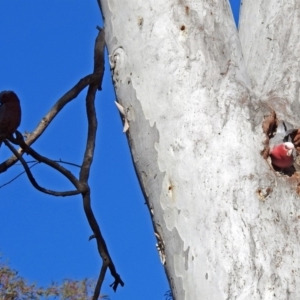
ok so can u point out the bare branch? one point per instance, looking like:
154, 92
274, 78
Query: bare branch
65, 99
99, 282
94, 82
16, 177
58, 161
20, 141
90, 106
34, 163
86, 165
67, 163
32, 179
59, 105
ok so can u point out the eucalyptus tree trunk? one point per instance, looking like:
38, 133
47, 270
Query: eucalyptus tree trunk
227, 223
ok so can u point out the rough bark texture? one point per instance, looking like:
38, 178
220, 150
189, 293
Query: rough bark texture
271, 48
227, 223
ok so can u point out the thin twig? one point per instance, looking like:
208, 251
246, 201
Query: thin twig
32, 179
34, 162
67, 163
20, 141
16, 177
58, 161
27, 162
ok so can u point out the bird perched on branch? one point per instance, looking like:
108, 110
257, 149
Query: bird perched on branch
282, 145
10, 114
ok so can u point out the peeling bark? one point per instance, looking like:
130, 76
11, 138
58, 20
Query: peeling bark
227, 223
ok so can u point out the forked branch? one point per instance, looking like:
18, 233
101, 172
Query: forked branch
57, 107
81, 185
32, 179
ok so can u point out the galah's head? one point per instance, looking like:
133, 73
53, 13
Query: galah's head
288, 147
282, 155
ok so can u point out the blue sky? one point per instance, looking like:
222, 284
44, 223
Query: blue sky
46, 47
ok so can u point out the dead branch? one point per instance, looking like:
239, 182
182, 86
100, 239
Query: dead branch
94, 81
34, 163
86, 165
58, 106
32, 179
20, 141
16, 177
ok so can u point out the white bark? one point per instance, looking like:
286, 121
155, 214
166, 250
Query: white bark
269, 32
228, 223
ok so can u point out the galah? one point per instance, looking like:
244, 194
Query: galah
282, 149
10, 114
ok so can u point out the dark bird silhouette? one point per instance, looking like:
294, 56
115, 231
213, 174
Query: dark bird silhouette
10, 114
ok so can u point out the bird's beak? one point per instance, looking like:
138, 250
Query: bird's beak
289, 152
